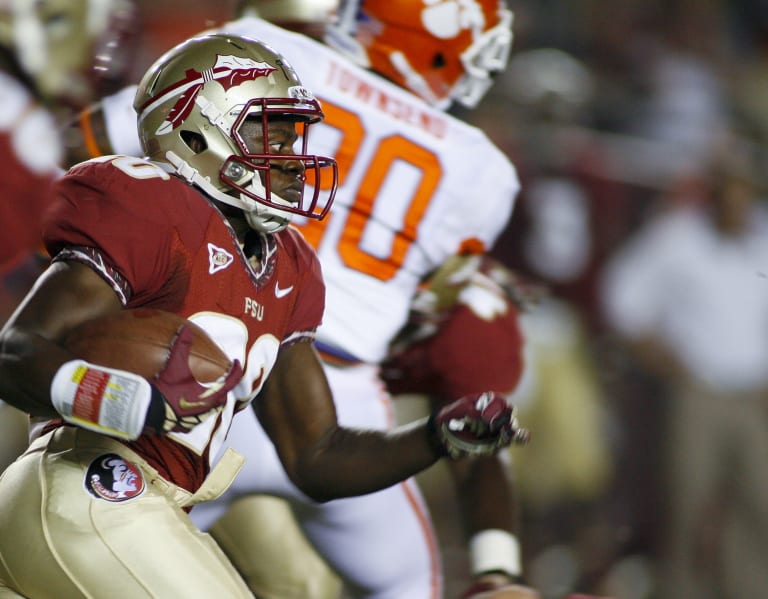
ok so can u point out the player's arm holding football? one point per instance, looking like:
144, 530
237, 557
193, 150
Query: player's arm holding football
38, 373
31, 350
322, 458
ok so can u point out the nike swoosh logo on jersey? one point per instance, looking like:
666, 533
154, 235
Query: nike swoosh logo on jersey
282, 292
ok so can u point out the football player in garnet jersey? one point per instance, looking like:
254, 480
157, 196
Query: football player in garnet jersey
416, 186
198, 229
49, 51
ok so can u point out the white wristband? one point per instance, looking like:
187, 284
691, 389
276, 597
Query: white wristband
105, 400
495, 550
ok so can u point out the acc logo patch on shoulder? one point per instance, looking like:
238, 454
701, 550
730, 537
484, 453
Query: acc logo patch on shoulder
112, 478
218, 259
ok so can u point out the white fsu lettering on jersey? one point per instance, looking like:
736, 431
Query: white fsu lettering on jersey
253, 309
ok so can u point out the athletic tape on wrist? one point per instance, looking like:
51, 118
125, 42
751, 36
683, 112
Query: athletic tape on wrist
105, 400
495, 550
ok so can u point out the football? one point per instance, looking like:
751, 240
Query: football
139, 341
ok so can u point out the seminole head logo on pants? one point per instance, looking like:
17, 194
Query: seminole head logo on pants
112, 478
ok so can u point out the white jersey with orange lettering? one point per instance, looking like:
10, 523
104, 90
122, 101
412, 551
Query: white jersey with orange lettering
416, 186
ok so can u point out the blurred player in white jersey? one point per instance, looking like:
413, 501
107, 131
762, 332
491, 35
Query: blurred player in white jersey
416, 186
56, 56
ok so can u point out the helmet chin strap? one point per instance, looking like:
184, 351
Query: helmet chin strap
260, 217
265, 219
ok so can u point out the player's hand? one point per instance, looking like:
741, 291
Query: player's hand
476, 425
185, 402
495, 586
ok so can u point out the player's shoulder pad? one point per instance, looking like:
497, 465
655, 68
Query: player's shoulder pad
135, 184
295, 245
120, 172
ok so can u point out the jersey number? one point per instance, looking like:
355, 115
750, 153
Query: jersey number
390, 151
138, 168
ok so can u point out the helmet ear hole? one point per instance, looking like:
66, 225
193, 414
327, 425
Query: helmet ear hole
194, 141
438, 61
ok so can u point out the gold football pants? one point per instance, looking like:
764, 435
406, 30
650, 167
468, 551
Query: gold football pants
60, 540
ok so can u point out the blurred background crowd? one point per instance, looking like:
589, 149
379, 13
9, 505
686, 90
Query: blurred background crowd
639, 130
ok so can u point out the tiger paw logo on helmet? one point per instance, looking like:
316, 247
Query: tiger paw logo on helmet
445, 19
441, 50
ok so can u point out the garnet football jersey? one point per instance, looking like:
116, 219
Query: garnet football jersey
161, 244
466, 355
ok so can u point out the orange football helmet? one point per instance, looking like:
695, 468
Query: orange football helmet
442, 50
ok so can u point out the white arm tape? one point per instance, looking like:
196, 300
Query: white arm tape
495, 550
105, 400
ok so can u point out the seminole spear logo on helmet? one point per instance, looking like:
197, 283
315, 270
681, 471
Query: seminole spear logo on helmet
228, 71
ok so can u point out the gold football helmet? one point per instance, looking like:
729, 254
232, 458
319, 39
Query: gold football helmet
309, 17
205, 89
